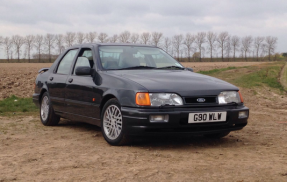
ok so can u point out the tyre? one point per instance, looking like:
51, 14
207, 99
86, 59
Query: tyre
217, 135
112, 123
47, 114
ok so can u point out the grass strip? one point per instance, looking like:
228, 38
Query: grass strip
16, 104
211, 72
254, 75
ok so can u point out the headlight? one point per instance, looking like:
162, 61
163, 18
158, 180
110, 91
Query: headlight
229, 97
165, 99
158, 99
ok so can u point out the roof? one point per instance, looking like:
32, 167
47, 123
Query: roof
112, 44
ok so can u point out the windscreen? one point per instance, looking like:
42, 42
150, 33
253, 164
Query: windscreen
129, 57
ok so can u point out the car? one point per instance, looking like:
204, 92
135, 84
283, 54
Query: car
133, 89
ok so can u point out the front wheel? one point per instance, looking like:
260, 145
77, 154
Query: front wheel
113, 128
47, 114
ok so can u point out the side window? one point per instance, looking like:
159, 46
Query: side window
66, 62
85, 58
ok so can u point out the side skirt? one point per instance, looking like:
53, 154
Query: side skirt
80, 118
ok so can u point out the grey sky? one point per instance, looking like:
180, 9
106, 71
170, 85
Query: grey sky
238, 17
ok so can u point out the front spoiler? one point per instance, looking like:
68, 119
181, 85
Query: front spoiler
137, 121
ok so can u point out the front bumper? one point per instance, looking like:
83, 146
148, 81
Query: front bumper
137, 120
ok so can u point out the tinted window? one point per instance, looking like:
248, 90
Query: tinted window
66, 62
85, 58
82, 61
119, 57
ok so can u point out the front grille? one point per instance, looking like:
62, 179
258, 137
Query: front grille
194, 100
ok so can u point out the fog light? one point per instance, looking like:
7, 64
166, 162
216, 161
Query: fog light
242, 114
158, 118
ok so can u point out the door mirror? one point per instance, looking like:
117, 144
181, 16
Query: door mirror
189, 69
83, 70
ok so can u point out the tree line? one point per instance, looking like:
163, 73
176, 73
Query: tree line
202, 44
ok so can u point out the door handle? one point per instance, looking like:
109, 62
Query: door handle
51, 78
70, 80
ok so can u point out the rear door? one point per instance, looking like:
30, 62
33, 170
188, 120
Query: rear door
82, 94
57, 81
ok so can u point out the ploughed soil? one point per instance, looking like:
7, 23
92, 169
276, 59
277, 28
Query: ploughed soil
76, 151
19, 78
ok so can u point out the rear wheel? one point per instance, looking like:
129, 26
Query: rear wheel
217, 135
113, 128
47, 114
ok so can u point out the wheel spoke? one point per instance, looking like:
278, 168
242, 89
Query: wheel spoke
45, 108
112, 122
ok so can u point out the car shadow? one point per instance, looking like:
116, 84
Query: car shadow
78, 125
165, 140
183, 140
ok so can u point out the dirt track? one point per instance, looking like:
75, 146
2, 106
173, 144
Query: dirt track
78, 152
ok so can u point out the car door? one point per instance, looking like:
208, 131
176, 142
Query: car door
82, 94
57, 81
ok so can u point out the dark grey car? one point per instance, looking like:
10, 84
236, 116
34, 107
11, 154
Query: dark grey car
129, 89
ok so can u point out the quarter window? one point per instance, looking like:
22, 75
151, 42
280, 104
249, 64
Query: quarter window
85, 58
66, 63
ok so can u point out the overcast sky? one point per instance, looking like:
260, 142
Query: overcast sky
238, 17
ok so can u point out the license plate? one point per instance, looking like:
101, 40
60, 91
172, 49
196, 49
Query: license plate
206, 117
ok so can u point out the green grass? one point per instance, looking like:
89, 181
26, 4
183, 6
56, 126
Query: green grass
252, 76
265, 76
15, 104
211, 72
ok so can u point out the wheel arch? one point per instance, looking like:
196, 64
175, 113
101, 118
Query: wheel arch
105, 99
43, 90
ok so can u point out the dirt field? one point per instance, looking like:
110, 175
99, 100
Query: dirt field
77, 152
19, 78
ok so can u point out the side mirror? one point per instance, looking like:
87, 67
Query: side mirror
189, 69
83, 70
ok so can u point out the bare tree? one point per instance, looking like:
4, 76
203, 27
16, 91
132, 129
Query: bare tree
211, 40
145, 37
7, 46
156, 38
246, 44
29, 42
91, 36
228, 48
39, 41
199, 40
188, 41
135, 37
18, 42
80, 37
103, 37
271, 45
235, 42
49, 41
1, 40
124, 37
221, 39
167, 44
70, 38
59, 42
176, 42
264, 50
11, 54
257, 45
114, 38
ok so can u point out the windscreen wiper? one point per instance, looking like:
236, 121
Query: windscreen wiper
137, 67
171, 67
